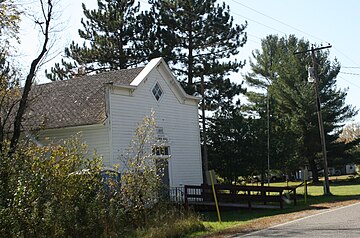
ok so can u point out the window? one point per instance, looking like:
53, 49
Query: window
157, 91
162, 148
161, 151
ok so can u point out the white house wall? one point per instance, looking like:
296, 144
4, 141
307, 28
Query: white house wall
179, 121
95, 136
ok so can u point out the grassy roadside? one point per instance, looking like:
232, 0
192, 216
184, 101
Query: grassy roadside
342, 189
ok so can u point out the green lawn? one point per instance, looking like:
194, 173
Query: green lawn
339, 186
342, 188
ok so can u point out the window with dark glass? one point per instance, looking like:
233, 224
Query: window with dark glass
157, 91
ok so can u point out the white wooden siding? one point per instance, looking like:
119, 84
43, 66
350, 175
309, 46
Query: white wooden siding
95, 136
179, 120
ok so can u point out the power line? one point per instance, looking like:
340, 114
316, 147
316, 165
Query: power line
292, 27
348, 81
281, 22
341, 72
272, 28
277, 30
349, 73
274, 19
350, 67
355, 63
257, 37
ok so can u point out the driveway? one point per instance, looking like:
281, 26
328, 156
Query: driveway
339, 222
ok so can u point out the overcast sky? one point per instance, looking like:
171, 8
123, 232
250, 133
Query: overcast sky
321, 22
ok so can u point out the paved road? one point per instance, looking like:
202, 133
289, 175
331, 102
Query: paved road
339, 222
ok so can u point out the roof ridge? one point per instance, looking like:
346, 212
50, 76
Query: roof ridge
74, 102
88, 76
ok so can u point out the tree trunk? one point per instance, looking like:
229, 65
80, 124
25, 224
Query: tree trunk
190, 62
314, 170
30, 77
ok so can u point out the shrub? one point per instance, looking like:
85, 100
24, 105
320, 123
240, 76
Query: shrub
56, 191
53, 191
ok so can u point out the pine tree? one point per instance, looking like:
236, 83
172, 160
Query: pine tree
111, 36
204, 42
284, 76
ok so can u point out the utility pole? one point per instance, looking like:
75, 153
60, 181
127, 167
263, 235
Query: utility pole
319, 114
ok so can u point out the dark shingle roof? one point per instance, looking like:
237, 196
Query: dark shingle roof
74, 102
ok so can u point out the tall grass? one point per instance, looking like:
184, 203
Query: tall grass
171, 222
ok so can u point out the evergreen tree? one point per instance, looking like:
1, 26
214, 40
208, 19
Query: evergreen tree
237, 146
197, 38
204, 41
111, 36
284, 76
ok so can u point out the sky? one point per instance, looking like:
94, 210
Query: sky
320, 22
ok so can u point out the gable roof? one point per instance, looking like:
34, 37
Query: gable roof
81, 101
74, 102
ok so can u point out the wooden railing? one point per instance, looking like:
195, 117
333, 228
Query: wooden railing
233, 195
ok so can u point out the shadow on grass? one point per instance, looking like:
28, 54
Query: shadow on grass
245, 214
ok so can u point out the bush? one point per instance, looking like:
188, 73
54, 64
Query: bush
56, 191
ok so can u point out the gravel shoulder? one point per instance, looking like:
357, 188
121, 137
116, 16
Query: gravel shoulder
267, 222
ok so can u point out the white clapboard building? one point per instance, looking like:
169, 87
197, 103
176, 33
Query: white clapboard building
107, 107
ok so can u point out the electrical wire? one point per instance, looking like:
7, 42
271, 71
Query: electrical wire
257, 22
292, 27
350, 73
281, 22
355, 63
299, 30
348, 81
350, 67
282, 32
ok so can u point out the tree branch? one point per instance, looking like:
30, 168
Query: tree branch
31, 75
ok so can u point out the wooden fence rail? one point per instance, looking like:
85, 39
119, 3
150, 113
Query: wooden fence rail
234, 195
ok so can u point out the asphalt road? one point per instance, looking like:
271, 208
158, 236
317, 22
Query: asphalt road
339, 222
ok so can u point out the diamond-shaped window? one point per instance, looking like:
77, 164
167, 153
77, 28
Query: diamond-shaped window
157, 91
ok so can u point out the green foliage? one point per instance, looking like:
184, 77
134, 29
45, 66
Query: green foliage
57, 191
111, 41
237, 146
292, 106
196, 38
52, 191
203, 39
